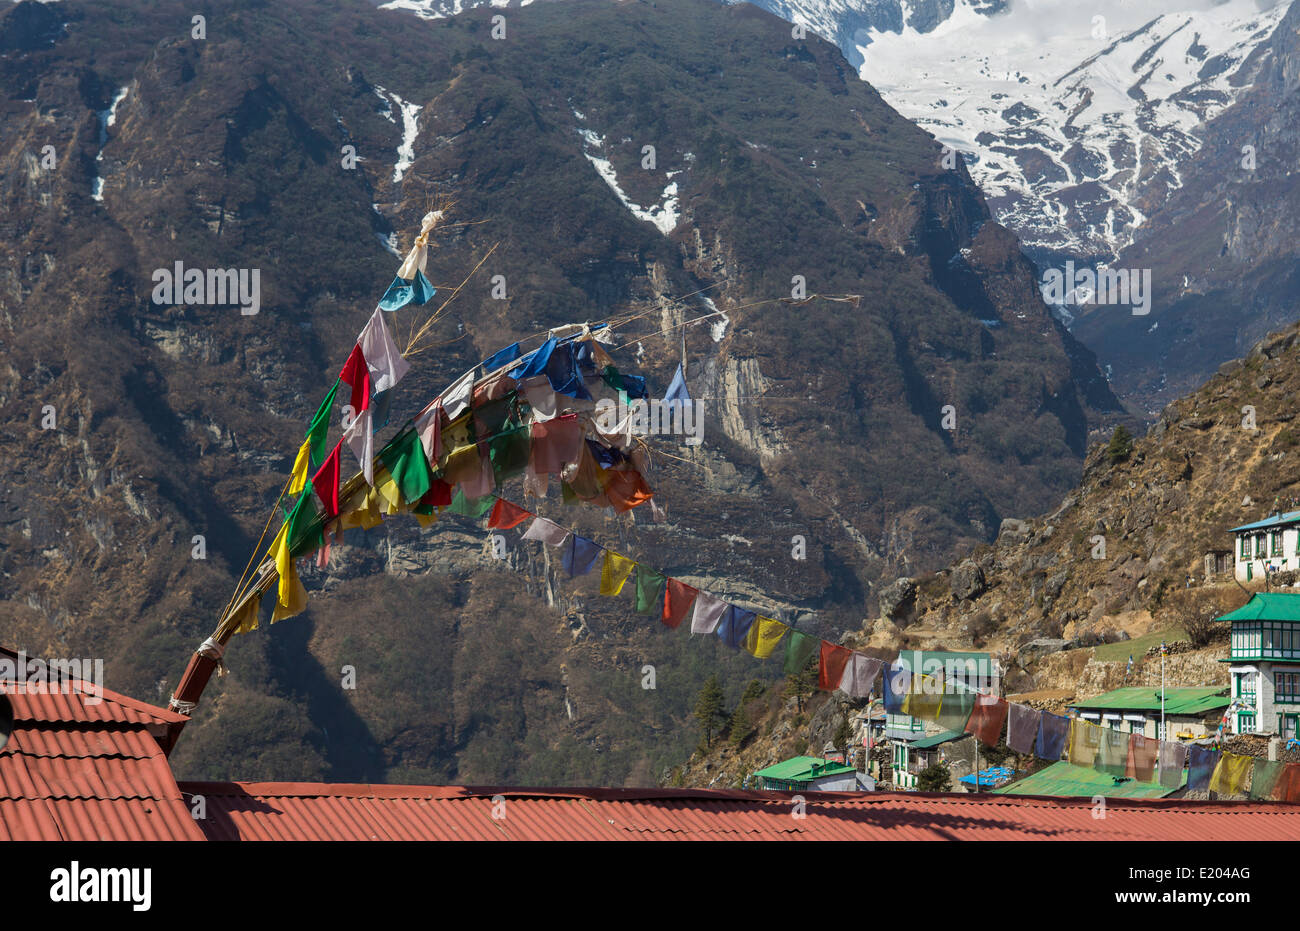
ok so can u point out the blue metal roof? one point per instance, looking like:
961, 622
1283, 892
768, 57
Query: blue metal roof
1276, 520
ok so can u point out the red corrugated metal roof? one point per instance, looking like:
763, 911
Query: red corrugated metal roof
306, 811
78, 771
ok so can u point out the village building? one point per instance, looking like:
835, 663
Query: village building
1264, 665
1190, 713
810, 774
916, 744
1267, 546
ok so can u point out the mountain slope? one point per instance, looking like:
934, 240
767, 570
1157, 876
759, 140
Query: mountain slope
1223, 248
824, 420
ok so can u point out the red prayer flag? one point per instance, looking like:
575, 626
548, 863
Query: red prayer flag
1142, 753
326, 482
987, 718
438, 495
626, 489
357, 374
1287, 787
506, 515
833, 661
678, 598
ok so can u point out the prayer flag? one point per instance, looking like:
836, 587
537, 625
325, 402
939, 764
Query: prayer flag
649, 584
506, 515
1085, 741
318, 429
1053, 730
1264, 777
326, 482
1200, 767
1173, 757
1112, 752
1230, 775
860, 675
987, 718
548, 531
580, 555
831, 668
1287, 787
404, 291
897, 683
799, 650
708, 611
956, 707
1022, 728
614, 572
466, 506
763, 637
924, 698
1142, 753
678, 598
291, 597
405, 460
734, 625
301, 468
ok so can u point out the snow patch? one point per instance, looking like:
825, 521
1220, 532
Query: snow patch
106, 119
410, 129
664, 215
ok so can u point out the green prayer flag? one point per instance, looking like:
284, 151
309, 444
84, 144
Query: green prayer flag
471, 507
1264, 778
306, 532
956, 707
649, 584
404, 458
318, 430
799, 650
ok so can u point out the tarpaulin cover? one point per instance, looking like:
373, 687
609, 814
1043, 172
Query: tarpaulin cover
987, 718
1053, 730
1200, 767
1022, 729
799, 650
678, 598
831, 670
1173, 757
1142, 753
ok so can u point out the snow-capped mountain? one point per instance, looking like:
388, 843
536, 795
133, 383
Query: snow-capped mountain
1075, 117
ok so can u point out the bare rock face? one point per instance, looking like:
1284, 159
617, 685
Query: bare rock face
897, 600
967, 581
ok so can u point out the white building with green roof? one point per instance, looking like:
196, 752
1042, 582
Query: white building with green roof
1264, 665
1268, 545
916, 742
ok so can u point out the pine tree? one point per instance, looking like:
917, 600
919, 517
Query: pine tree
802, 684
1121, 444
708, 708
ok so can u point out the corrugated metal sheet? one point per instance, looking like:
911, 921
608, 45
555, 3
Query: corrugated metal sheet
77, 771
296, 811
1065, 779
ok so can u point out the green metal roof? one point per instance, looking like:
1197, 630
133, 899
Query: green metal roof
1145, 698
925, 743
1066, 779
1277, 520
1267, 607
803, 769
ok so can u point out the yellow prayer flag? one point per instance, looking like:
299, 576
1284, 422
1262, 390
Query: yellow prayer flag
246, 620
388, 492
364, 515
763, 637
427, 520
1230, 774
301, 466
1085, 742
614, 571
291, 597
923, 698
